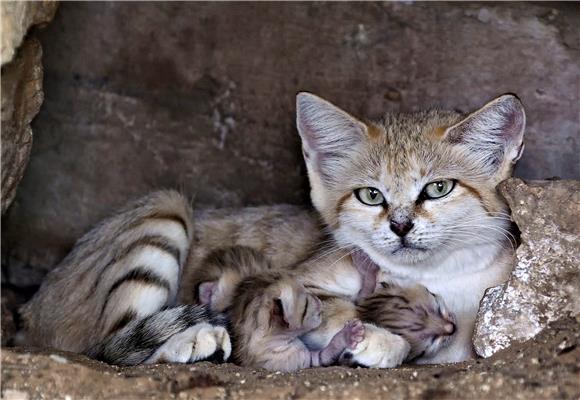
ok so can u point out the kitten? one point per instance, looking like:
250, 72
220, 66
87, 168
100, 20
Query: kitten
416, 193
270, 314
411, 312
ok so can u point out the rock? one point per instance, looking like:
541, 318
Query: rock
21, 99
21, 86
16, 18
181, 94
544, 368
545, 283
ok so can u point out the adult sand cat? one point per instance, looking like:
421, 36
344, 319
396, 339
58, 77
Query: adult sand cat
414, 193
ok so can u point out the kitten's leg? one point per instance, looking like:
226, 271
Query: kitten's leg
181, 334
379, 348
347, 338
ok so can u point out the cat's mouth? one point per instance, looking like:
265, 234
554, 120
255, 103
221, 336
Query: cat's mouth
406, 248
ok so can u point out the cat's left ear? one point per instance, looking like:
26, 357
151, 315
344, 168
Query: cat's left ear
494, 134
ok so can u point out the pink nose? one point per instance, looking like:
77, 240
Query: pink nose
401, 228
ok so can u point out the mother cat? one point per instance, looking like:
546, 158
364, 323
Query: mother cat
414, 194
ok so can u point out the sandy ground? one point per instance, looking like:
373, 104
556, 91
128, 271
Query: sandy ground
547, 367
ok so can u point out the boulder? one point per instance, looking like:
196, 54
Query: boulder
545, 283
21, 99
21, 87
17, 17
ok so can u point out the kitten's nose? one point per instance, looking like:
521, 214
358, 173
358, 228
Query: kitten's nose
401, 228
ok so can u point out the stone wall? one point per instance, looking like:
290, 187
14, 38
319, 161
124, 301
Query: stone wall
200, 97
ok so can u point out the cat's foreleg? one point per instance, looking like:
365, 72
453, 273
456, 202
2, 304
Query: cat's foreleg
182, 334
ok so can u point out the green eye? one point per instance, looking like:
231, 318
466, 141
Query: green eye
436, 190
369, 196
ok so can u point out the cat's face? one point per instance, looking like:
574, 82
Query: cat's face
415, 187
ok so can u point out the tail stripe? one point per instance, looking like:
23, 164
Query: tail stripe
139, 274
157, 241
122, 321
172, 217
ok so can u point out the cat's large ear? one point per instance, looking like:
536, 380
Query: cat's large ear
494, 134
328, 135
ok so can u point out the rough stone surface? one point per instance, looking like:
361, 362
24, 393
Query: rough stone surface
545, 368
545, 283
21, 99
16, 18
200, 97
21, 87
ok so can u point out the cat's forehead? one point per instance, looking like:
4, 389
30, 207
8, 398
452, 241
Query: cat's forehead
408, 147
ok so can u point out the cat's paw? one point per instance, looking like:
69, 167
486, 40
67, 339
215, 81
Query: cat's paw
197, 343
379, 349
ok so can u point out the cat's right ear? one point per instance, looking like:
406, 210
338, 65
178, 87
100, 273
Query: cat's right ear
328, 134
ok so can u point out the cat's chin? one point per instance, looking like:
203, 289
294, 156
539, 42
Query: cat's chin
409, 255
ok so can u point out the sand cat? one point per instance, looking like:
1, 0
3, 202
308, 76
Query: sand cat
413, 194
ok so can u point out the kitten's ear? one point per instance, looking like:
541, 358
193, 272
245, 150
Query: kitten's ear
494, 133
278, 313
327, 132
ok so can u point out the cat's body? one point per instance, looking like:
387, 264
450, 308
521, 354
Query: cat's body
415, 194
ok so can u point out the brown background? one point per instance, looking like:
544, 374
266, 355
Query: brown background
200, 97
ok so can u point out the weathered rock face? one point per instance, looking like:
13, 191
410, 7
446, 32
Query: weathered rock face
16, 18
21, 99
200, 96
544, 368
21, 87
545, 283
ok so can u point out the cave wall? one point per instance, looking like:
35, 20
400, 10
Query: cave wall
200, 97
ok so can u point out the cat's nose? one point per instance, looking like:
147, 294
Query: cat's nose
401, 228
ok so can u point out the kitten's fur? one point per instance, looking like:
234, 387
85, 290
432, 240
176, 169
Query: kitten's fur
130, 266
240, 274
270, 313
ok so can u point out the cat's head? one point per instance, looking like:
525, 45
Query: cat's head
415, 186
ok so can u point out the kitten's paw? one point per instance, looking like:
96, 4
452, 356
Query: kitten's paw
197, 343
355, 333
379, 349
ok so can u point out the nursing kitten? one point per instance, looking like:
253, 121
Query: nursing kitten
270, 313
413, 312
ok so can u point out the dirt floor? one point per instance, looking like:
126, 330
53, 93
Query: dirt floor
547, 367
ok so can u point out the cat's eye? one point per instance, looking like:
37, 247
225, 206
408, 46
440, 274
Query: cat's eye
436, 190
369, 196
